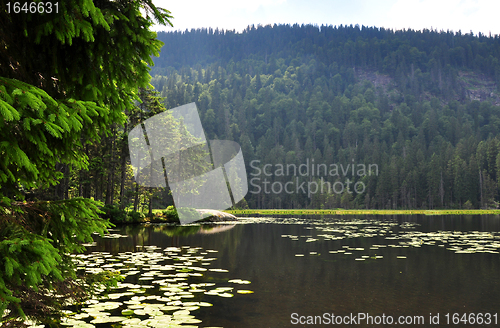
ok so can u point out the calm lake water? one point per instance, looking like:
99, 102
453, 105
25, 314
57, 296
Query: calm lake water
379, 265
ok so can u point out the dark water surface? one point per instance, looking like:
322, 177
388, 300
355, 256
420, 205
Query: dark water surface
418, 265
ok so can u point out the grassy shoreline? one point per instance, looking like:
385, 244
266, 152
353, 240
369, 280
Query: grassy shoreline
358, 212
170, 215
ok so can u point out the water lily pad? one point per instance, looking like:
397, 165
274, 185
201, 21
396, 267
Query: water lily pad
239, 281
107, 319
80, 325
127, 312
132, 321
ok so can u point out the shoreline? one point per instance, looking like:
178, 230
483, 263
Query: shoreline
263, 212
232, 215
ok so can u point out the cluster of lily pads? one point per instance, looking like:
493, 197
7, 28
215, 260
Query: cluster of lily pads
162, 288
457, 241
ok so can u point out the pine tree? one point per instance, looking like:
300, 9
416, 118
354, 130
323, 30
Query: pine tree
65, 78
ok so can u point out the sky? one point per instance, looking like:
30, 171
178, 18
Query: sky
465, 15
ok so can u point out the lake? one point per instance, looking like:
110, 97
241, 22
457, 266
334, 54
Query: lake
291, 272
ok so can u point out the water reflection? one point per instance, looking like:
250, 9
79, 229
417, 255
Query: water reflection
407, 265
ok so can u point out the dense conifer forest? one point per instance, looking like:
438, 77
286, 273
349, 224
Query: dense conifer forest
421, 105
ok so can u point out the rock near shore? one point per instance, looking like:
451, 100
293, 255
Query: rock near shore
215, 216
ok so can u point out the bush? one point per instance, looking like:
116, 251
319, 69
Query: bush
113, 213
135, 216
468, 205
171, 214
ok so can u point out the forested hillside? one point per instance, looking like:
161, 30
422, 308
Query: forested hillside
421, 105
422, 109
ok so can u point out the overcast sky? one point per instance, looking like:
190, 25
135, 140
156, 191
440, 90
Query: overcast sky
465, 15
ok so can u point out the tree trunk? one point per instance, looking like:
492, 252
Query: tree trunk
111, 180
136, 197
441, 189
481, 189
66, 181
150, 207
123, 165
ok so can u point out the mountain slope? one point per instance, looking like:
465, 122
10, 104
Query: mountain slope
421, 106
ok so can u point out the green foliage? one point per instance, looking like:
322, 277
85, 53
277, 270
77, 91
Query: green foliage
171, 214
114, 213
346, 95
69, 53
66, 82
47, 132
468, 205
36, 240
133, 216
410, 56
27, 259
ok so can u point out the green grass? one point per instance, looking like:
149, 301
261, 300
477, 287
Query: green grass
359, 212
